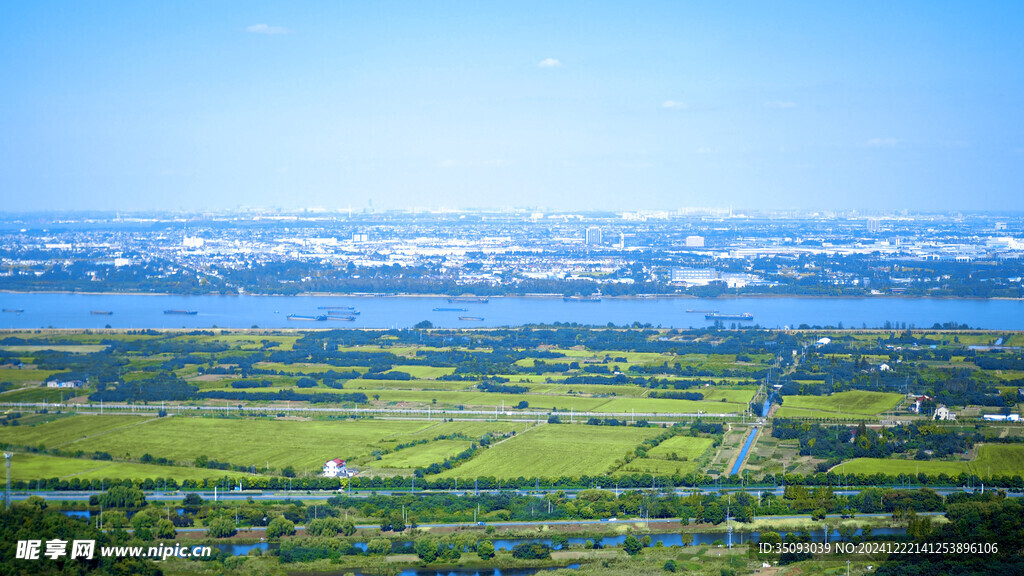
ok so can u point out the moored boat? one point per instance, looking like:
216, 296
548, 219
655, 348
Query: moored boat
320, 318
746, 316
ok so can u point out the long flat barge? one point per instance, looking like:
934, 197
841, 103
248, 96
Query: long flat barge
746, 316
304, 318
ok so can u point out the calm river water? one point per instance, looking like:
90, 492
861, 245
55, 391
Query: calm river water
26, 311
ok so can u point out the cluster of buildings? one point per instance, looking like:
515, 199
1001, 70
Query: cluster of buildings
689, 247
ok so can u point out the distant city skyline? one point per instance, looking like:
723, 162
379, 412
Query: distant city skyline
568, 106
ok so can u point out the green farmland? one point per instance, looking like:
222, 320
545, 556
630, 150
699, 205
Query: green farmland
658, 467
494, 382
304, 445
35, 466
683, 447
421, 456
855, 402
992, 460
553, 451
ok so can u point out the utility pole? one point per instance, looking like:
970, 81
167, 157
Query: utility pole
7, 494
728, 513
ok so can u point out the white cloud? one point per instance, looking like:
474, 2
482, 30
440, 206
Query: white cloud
675, 105
447, 163
780, 104
882, 143
549, 63
267, 29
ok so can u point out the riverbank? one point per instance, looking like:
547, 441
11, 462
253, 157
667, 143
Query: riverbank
553, 296
73, 310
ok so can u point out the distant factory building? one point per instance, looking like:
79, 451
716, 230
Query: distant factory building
705, 276
1002, 417
193, 242
694, 276
64, 384
593, 236
694, 241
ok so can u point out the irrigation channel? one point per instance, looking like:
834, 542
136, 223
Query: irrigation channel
750, 440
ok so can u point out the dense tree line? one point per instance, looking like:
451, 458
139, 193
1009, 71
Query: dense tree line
836, 443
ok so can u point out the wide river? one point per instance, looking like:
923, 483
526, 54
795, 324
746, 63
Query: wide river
29, 311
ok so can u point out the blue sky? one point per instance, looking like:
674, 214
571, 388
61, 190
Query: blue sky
563, 105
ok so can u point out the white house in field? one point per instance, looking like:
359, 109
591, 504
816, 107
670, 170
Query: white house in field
64, 384
335, 468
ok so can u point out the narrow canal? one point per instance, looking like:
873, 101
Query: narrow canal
743, 453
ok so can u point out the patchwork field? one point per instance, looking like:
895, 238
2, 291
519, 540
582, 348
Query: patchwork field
25, 375
855, 402
305, 445
421, 456
73, 348
992, 460
659, 467
677, 455
554, 450
670, 406
683, 447
35, 466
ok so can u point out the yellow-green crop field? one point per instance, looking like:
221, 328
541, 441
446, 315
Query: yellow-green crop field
992, 460
37, 466
553, 450
686, 447
857, 402
421, 456
305, 445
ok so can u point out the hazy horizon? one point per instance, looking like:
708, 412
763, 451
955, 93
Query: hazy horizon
569, 106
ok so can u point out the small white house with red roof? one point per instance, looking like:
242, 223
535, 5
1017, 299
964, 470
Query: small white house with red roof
335, 468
